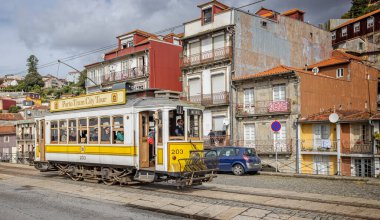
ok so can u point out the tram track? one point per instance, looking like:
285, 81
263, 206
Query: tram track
217, 193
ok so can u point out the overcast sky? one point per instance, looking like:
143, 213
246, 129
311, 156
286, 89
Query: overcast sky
55, 29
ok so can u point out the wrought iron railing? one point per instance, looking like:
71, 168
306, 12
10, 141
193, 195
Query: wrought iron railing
318, 145
205, 57
25, 137
264, 107
357, 147
115, 76
219, 98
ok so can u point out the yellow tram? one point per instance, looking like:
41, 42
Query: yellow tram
152, 136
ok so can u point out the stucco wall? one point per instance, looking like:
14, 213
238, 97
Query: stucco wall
288, 42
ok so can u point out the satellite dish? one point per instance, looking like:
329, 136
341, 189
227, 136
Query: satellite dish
28, 112
334, 117
315, 70
226, 121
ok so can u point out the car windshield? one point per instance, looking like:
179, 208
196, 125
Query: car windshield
250, 152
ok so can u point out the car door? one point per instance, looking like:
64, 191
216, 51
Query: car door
226, 158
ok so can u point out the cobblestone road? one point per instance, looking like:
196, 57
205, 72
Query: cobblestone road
320, 186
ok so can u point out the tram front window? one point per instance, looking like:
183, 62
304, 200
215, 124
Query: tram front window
176, 125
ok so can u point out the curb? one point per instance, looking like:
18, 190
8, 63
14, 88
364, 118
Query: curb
372, 181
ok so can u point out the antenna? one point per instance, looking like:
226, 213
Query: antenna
315, 70
333, 117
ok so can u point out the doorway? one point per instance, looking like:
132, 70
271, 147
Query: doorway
41, 142
147, 142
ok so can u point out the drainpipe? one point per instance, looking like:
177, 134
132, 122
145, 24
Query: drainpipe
298, 147
338, 147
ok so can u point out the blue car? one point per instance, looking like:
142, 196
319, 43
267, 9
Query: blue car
239, 160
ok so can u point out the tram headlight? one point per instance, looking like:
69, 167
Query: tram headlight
174, 157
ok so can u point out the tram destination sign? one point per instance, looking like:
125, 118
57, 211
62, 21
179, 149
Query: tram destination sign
116, 97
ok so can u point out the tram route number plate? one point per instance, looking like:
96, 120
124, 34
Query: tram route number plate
82, 157
176, 151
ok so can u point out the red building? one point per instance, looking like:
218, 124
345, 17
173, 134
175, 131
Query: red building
142, 60
6, 103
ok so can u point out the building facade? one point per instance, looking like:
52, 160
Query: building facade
227, 42
286, 94
142, 61
7, 143
360, 36
344, 147
51, 81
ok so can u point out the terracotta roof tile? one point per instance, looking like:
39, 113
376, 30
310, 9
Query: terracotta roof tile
11, 117
274, 71
267, 15
291, 11
7, 130
356, 19
342, 54
328, 62
140, 32
344, 116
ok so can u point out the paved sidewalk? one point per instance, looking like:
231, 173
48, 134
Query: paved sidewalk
194, 209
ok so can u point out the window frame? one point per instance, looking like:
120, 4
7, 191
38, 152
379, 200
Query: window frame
370, 22
343, 32
79, 128
204, 21
340, 73
59, 131
113, 129
75, 131
95, 127
6, 139
357, 27
105, 126
333, 35
51, 131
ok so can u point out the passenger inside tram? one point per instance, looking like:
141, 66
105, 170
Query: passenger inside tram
176, 125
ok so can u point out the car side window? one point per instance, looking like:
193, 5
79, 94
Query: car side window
211, 154
227, 152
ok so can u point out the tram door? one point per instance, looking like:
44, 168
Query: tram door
144, 144
41, 142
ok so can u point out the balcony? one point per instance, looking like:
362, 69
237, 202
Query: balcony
220, 98
206, 57
26, 137
318, 145
357, 147
265, 108
124, 75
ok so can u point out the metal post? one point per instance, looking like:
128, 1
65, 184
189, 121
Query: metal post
276, 134
338, 147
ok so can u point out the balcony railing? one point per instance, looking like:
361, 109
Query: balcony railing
119, 76
262, 147
206, 57
124, 75
220, 98
357, 147
264, 107
318, 145
25, 137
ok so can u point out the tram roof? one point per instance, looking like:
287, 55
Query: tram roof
138, 102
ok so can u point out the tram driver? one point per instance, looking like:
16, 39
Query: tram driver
179, 128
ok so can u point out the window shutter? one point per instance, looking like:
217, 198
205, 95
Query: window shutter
219, 42
194, 48
194, 87
217, 82
317, 135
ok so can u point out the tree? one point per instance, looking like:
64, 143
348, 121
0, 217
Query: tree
33, 77
82, 79
14, 109
361, 7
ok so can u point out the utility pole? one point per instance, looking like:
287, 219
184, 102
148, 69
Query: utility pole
100, 86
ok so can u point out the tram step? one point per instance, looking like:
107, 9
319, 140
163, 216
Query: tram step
145, 176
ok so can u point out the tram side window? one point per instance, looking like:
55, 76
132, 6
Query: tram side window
82, 131
194, 126
118, 130
63, 132
94, 133
38, 132
176, 125
105, 128
73, 131
54, 132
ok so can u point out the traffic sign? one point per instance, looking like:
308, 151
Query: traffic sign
276, 126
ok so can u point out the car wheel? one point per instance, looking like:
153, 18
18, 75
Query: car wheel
238, 170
